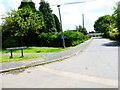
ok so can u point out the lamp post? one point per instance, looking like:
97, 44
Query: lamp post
83, 21
61, 25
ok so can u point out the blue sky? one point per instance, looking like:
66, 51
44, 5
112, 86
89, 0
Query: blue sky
71, 14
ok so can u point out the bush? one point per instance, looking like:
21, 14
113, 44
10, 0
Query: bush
10, 42
114, 36
49, 39
54, 39
46, 39
73, 38
86, 37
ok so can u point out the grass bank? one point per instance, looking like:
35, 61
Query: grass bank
37, 50
6, 58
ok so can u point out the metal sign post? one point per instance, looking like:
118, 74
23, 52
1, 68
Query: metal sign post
61, 24
15, 48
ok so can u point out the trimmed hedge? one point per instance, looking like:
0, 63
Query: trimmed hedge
46, 39
54, 39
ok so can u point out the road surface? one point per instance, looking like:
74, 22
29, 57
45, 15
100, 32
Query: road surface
95, 67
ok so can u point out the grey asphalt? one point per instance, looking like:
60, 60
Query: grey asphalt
95, 67
6, 66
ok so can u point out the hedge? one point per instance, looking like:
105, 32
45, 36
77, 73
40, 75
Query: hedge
46, 39
54, 39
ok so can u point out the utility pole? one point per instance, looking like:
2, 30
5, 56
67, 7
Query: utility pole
61, 25
83, 21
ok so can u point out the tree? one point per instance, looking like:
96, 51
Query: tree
57, 23
48, 17
26, 4
85, 31
104, 24
22, 22
80, 29
31, 5
116, 17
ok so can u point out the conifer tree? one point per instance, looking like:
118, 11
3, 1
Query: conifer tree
48, 17
57, 23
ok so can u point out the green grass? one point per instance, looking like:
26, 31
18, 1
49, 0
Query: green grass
37, 50
6, 58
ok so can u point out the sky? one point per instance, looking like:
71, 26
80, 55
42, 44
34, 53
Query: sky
71, 14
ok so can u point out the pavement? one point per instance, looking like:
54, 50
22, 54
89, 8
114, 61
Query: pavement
49, 57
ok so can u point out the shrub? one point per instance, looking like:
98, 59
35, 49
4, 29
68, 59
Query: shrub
54, 39
10, 42
49, 39
86, 37
73, 38
114, 36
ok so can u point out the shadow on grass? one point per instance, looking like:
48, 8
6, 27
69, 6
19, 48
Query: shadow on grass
112, 44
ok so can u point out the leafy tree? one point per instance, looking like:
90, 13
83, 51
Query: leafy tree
22, 22
31, 5
116, 15
80, 29
57, 23
104, 24
26, 4
84, 31
48, 17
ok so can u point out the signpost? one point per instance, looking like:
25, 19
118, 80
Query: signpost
62, 36
15, 48
61, 26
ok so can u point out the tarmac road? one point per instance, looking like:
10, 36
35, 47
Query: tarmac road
95, 67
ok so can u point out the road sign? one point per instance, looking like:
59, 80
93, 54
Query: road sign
62, 36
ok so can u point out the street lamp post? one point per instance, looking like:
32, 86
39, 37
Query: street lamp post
61, 25
83, 21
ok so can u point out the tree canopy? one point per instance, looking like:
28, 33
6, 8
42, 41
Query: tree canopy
57, 24
23, 21
116, 16
104, 24
48, 16
109, 25
81, 29
26, 4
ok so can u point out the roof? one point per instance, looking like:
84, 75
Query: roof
94, 34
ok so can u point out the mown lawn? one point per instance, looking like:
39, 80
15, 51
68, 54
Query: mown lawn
6, 58
37, 50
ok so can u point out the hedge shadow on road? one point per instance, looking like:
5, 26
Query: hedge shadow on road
112, 44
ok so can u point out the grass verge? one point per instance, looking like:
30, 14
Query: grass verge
37, 50
6, 58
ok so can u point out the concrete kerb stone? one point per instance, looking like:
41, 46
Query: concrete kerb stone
41, 63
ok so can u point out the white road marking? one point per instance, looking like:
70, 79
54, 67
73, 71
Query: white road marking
88, 78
